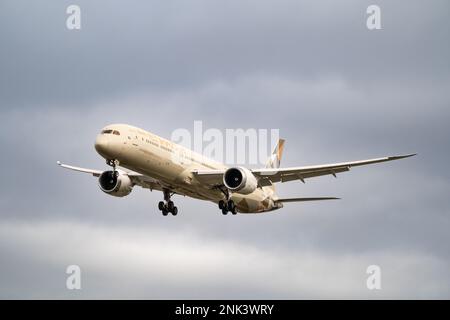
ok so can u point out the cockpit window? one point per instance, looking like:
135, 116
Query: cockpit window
109, 131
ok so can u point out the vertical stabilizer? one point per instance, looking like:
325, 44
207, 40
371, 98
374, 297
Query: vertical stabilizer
275, 158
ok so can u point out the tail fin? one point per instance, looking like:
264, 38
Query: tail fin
275, 158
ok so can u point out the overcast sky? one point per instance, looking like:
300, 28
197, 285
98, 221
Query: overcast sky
312, 69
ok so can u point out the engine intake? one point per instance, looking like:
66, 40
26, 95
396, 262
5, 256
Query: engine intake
115, 184
240, 180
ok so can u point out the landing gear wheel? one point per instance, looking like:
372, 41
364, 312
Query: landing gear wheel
224, 211
170, 206
167, 205
221, 204
234, 211
112, 162
231, 206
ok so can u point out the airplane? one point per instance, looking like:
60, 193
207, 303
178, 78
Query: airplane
141, 158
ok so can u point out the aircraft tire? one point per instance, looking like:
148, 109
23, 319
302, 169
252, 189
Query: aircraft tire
231, 206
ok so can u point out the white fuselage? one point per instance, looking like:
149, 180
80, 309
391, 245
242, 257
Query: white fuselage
173, 165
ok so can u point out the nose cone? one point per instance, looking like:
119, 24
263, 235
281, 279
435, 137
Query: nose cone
101, 144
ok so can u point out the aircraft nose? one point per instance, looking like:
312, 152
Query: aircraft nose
101, 144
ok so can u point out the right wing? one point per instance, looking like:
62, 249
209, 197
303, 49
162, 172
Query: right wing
136, 178
95, 173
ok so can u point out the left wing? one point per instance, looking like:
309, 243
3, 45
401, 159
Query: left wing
212, 178
268, 176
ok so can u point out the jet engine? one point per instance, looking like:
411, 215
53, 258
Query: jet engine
116, 184
240, 180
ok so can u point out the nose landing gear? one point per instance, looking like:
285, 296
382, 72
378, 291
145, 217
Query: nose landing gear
113, 163
167, 205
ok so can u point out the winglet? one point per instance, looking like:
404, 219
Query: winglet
402, 156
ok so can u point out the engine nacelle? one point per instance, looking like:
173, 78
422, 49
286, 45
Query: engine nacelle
240, 180
117, 185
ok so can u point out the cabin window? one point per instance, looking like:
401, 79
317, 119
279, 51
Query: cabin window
106, 131
117, 133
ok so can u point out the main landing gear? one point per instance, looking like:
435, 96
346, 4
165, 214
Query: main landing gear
167, 205
227, 206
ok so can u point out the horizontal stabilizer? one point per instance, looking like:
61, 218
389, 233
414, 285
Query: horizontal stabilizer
306, 199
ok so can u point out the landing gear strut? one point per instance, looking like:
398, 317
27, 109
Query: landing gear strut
167, 205
113, 163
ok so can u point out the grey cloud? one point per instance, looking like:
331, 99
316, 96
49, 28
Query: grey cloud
141, 264
167, 45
